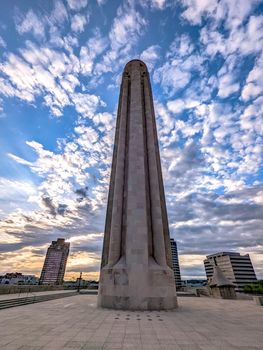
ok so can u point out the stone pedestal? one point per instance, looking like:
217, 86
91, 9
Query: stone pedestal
259, 300
136, 270
221, 287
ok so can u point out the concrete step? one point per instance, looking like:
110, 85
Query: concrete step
186, 294
4, 304
89, 292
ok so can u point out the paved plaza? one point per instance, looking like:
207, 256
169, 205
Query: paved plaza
76, 323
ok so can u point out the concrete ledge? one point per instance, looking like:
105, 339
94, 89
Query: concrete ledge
13, 289
259, 300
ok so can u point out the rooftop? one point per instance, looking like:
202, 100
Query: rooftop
76, 323
225, 253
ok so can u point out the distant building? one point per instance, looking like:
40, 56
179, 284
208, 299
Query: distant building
237, 268
18, 278
83, 284
55, 262
194, 282
176, 267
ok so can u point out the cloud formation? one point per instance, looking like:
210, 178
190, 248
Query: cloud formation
59, 82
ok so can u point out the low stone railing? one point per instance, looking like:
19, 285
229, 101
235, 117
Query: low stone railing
13, 289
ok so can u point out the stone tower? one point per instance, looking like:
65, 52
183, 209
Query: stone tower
136, 270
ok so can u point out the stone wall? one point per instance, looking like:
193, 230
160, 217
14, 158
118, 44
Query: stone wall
11, 289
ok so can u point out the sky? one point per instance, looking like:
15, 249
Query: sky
60, 71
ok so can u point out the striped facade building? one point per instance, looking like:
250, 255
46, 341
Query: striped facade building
55, 263
237, 268
176, 267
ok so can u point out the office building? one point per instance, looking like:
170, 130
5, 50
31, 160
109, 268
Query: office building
55, 262
176, 267
193, 282
236, 267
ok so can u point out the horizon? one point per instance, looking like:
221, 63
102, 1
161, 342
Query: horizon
60, 70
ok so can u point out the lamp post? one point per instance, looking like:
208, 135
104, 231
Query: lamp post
79, 282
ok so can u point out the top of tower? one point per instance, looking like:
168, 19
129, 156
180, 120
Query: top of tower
136, 63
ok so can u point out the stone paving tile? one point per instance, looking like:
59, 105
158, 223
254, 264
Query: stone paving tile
76, 323
72, 344
29, 347
12, 347
151, 347
92, 347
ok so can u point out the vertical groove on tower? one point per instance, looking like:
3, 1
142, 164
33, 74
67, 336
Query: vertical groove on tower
106, 239
115, 243
154, 181
147, 182
161, 189
126, 163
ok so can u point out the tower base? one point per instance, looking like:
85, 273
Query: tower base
137, 288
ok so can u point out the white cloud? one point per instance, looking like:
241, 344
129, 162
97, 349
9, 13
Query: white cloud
235, 18
244, 40
77, 5
43, 72
59, 14
16, 196
86, 104
150, 56
250, 90
69, 189
105, 121
228, 77
15, 189
172, 77
181, 63
164, 120
178, 105
181, 46
159, 4
126, 27
227, 85
219, 11
86, 61
2, 42
53, 75
31, 23
254, 81
20, 76
94, 47
196, 9
78, 23
125, 31
88, 137
251, 118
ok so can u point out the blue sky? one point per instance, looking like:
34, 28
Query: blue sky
60, 71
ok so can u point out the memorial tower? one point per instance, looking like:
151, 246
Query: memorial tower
136, 270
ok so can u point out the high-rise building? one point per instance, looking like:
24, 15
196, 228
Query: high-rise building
236, 267
136, 270
55, 262
176, 266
